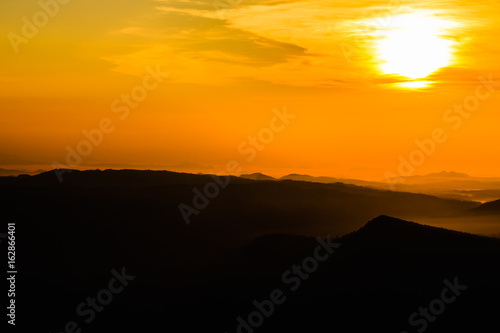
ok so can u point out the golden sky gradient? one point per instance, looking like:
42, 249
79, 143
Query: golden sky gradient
365, 79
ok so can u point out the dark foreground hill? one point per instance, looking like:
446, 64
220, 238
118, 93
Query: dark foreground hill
489, 208
373, 279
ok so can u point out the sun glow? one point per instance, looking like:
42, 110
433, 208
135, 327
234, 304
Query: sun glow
413, 84
413, 45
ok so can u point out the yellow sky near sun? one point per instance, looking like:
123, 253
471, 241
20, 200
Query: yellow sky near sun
231, 64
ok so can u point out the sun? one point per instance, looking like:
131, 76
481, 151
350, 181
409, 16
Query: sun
413, 45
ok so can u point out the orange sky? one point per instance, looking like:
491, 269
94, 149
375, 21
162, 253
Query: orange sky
339, 66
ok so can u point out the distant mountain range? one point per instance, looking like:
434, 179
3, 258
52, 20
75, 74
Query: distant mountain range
257, 176
446, 184
260, 206
17, 172
440, 175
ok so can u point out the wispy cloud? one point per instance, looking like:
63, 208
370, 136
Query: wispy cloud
283, 42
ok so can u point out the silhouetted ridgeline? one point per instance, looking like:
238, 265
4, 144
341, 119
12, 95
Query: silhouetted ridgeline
123, 178
242, 211
15, 172
202, 277
450, 185
245, 209
257, 176
489, 208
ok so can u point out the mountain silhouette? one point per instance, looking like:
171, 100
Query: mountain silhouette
329, 180
245, 209
257, 176
17, 172
449, 185
205, 275
387, 262
448, 174
489, 208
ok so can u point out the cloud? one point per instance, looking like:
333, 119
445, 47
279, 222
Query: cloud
298, 43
